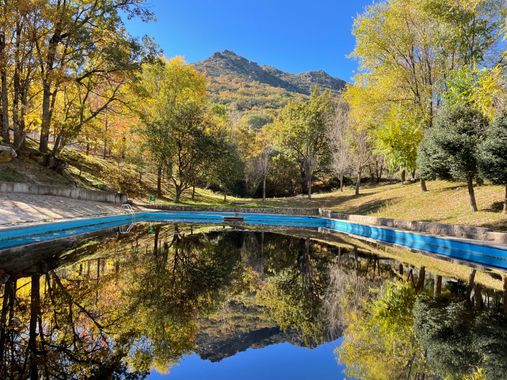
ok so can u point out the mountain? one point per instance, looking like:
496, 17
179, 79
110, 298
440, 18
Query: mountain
246, 85
238, 327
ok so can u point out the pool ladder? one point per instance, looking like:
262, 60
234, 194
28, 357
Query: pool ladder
127, 208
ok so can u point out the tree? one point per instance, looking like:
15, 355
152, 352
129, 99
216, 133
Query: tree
483, 89
362, 152
176, 125
301, 130
406, 51
493, 154
398, 140
341, 159
226, 168
380, 340
262, 157
77, 42
451, 148
459, 339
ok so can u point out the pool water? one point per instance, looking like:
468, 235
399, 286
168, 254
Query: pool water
209, 301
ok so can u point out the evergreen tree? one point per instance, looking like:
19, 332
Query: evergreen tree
451, 148
493, 154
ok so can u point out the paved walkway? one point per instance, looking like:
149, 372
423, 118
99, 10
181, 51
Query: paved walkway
24, 208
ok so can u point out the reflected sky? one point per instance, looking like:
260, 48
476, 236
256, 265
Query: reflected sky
278, 361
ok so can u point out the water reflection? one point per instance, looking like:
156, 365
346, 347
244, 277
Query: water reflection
119, 306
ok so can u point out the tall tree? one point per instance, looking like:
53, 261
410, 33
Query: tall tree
301, 129
78, 41
177, 126
339, 139
493, 154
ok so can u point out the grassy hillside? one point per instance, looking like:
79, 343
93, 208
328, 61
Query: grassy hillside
446, 202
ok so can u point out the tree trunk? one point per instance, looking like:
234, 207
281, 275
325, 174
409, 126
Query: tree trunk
303, 181
159, 182
193, 192
438, 287
104, 148
177, 193
34, 315
17, 96
403, 175
505, 201
7, 304
358, 181
48, 96
478, 296
44, 132
309, 186
420, 279
423, 185
505, 294
341, 183
471, 193
471, 282
4, 97
264, 189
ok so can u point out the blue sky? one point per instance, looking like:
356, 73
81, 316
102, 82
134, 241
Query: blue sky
294, 36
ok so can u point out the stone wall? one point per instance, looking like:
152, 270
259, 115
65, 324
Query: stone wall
252, 210
452, 230
59, 191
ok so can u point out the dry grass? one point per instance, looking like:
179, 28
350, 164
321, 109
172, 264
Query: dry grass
445, 202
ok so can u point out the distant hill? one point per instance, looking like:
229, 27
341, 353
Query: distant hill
246, 85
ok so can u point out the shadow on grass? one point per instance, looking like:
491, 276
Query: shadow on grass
500, 225
370, 207
495, 207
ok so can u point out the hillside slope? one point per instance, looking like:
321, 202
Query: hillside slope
246, 85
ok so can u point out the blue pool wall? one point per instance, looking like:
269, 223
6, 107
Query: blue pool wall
481, 253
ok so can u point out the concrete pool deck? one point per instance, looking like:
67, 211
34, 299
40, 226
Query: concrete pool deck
18, 208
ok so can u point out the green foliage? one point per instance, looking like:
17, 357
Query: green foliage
225, 170
451, 148
493, 151
482, 89
380, 340
284, 176
459, 339
181, 132
301, 132
398, 139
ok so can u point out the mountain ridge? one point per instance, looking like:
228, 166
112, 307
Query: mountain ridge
248, 85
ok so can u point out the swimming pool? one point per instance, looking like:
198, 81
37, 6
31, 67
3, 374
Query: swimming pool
493, 255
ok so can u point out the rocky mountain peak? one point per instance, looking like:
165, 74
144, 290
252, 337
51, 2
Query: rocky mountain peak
228, 63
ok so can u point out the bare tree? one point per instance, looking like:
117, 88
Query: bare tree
262, 166
362, 152
341, 157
